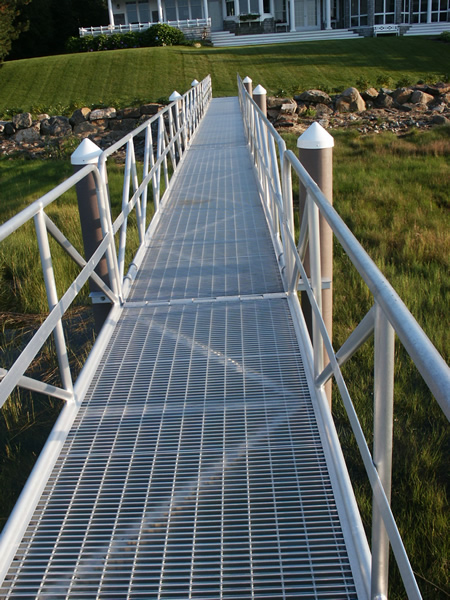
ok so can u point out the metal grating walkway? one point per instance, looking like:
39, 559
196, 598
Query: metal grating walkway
195, 467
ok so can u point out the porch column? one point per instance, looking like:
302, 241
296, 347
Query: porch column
205, 9
292, 14
110, 13
261, 7
429, 11
160, 12
327, 14
237, 8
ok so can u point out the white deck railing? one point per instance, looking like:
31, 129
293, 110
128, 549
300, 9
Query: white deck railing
135, 27
275, 167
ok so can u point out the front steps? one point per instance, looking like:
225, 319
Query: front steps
428, 28
225, 38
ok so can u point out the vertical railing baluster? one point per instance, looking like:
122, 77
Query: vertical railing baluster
52, 298
316, 279
382, 445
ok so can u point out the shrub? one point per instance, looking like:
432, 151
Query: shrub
444, 37
162, 34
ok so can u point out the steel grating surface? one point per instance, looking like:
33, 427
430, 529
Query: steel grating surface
213, 239
194, 469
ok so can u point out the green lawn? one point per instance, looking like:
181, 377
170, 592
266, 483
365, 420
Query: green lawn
124, 77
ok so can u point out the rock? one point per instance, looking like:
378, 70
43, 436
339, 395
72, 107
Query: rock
56, 126
438, 89
103, 113
384, 101
274, 102
31, 134
150, 109
272, 113
350, 101
314, 97
22, 121
370, 94
402, 95
301, 108
81, 115
129, 113
322, 110
440, 120
419, 97
42, 117
84, 127
289, 108
9, 128
124, 125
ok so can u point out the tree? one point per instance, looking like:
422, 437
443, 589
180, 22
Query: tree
11, 24
52, 22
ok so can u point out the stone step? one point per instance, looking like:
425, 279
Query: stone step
229, 39
427, 29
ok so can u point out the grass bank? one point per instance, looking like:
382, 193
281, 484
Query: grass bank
125, 77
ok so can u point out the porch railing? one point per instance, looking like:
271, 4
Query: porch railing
275, 167
186, 26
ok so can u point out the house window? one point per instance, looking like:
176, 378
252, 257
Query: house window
358, 13
144, 12
249, 6
266, 7
119, 18
183, 10
196, 9
384, 12
132, 13
171, 10
230, 8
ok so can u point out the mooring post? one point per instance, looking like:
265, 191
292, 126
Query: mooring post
87, 153
248, 86
315, 150
259, 96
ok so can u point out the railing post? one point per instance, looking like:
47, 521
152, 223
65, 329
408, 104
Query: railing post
88, 153
176, 98
248, 86
316, 155
382, 446
259, 96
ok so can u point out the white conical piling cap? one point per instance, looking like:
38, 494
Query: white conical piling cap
315, 138
259, 91
247, 80
194, 83
87, 153
175, 96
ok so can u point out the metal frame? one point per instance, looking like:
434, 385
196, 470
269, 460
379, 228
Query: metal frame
275, 166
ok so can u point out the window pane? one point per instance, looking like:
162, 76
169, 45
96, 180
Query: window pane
171, 12
144, 12
183, 10
254, 6
196, 9
132, 12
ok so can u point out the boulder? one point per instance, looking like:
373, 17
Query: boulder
322, 110
31, 134
370, 94
81, 115
440, 120
288, 108
84, 128
419, 97
274, 102
402, 95
56, 126
384, 101
150, 109
129, 113
124, 125
314, 97
103, 113
9, 128
301, 108
438, 88
22, 121
350, 101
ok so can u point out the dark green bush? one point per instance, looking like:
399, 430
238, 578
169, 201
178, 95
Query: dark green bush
160, 34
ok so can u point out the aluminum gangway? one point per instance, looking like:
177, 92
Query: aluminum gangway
198, 458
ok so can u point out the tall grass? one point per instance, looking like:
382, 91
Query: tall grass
400, 215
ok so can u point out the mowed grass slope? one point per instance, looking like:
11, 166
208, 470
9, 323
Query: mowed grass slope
122, 77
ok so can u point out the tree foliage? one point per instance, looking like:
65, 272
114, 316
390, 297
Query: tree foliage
12, 24
52, 22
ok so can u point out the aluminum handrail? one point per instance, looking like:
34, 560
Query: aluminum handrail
174, 135
389, 315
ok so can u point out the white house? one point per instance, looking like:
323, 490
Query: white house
367, 17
